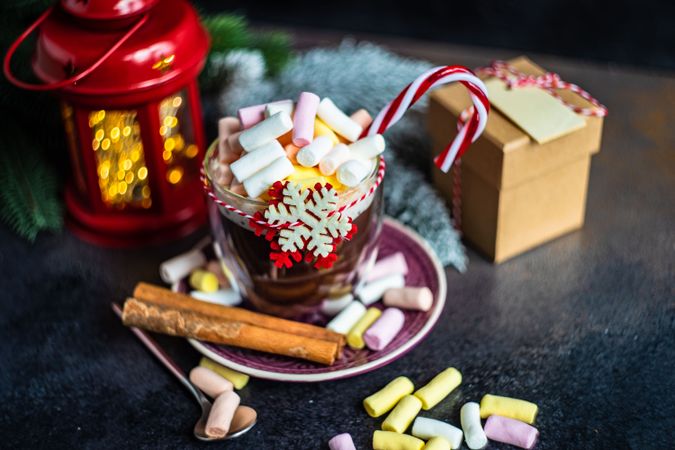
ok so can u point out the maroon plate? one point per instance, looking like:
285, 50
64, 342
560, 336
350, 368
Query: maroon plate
424, 269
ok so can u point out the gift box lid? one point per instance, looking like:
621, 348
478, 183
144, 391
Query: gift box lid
506, 156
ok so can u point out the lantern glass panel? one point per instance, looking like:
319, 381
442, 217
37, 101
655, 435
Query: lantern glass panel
177, 132
120, 161
68, 114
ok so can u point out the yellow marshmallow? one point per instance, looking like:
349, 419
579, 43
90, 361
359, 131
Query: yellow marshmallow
387, 397
307, 177
204, 281
508, 407
437, 443
388, 440
321, 129
400, 418
238, 379
355, 335
439, 387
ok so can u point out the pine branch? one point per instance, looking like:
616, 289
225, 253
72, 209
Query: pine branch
29, 201
276, 49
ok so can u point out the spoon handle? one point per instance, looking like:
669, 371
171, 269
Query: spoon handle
161, 355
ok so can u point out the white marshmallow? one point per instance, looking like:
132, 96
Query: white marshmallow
338, 121
275, 107
257, 160
333, 159
262, 180
331, 307
310, 155
352, 173
180, 266
425, 428
473, 431
227, 297
347, 318
265, 131
373, 291
368, 147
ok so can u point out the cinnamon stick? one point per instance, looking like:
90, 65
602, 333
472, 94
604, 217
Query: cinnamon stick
182, 322
161, 296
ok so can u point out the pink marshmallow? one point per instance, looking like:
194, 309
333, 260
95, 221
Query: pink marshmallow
511, 431
362, 117
233, 143
341, 442
209, 382
385, 329
303, 119
251, 115
222, 412
386, 266
416, 298
227, 126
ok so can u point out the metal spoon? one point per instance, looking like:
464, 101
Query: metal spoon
244, 418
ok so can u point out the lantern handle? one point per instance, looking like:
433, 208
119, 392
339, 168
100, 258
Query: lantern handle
68, 81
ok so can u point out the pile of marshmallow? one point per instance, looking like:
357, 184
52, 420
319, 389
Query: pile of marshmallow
365, 325
269, 142
508, 419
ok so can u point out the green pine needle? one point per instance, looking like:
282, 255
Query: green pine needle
228, 32
276, 49
29, 202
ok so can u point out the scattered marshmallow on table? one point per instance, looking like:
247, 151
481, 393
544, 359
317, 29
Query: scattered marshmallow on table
222, 412
266, 131
368, 147
439, 387
180, 266
303, 119
332, 306
334, 159
341, 442
203, 280
473, 431
209, 382
373, 291
508, 407
386, 398
260, 182
362, 117
238, 379
511, 431
310, 155
425, 428
321, 129
258, 159
353, 172
341, 123
227, 297
385, 329
355, 335
437, 443
347, 318
415, 298
389, 440
394, 263
400, 418
275, 107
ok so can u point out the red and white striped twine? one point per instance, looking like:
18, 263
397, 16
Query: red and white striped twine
208, 188
469, 131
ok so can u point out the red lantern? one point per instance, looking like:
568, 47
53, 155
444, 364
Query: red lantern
126, 73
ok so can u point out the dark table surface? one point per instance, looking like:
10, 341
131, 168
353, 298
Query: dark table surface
583, 326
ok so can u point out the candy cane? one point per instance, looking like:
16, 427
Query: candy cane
469, 131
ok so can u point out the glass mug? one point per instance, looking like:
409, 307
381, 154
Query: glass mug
300, 289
